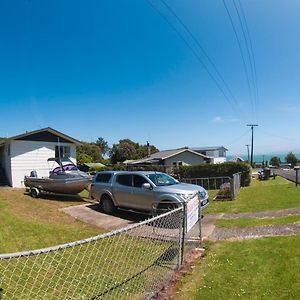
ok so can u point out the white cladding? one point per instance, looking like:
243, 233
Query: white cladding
26, 156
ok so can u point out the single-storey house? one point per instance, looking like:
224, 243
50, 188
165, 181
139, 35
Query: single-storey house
173, 158
21, 154
216, 154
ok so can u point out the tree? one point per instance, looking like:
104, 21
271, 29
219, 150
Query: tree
102, 144
87, 151
291, 158
127, 149
275, 161
122, 151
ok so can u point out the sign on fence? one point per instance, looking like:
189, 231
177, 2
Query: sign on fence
192, 213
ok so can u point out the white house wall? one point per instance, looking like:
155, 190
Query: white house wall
186, 157
32, 155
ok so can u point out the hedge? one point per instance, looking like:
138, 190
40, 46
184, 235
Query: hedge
217, 170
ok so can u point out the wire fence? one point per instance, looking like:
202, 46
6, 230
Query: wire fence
130, 263
215, 183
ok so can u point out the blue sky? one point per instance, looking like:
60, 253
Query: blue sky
117, 69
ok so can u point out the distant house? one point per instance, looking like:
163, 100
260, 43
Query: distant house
216, 154
237, 159
174, 157
21, 154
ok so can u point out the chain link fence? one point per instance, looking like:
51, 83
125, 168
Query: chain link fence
215, 183
131, 263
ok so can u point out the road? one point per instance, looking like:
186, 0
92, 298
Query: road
288, 174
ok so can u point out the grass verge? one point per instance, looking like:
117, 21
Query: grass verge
254, 269
252, 222
260, 196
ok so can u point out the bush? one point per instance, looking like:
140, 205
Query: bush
218, 170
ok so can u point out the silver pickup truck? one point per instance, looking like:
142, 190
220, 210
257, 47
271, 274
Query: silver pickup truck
143, 191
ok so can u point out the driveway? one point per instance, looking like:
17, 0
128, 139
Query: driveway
90, 213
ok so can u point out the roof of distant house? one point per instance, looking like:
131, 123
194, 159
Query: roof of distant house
220, 148
162, 155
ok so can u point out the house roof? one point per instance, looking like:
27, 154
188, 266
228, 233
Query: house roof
220, 148
40, 135
162, 155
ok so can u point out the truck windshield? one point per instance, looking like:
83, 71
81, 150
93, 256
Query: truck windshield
161, 179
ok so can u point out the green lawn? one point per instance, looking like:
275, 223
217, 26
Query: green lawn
250, 222
27, 223
260, 196
255, 269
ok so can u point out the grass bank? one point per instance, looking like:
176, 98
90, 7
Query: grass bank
254, 269
27, 223
260, 196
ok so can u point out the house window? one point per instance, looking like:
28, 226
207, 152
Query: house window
62, 151
222, 153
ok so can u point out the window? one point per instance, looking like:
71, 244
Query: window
103, 177
139, 180
124, 179
62, 151
222, 153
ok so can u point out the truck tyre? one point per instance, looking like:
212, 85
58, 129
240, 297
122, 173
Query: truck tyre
106, 205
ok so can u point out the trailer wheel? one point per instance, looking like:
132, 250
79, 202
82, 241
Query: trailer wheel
34, 193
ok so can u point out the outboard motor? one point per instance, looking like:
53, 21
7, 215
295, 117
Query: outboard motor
33, 173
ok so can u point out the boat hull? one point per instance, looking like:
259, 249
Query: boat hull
59, 186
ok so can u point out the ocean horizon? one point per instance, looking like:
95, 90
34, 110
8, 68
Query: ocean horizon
258, 158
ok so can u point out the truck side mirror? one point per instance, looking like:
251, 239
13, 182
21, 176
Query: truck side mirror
147, 186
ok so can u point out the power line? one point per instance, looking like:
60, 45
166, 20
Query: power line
241, 52
201, 48
250, 57
234, 106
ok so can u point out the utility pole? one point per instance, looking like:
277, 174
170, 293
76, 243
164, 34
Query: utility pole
248, 152
252, 126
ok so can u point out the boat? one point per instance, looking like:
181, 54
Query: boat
65, 178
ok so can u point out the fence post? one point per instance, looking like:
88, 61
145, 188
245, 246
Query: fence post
182, 235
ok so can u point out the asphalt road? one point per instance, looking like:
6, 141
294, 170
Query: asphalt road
288, 174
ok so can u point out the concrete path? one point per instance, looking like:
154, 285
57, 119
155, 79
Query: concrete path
89, 213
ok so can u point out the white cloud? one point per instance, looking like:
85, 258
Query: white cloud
222, 120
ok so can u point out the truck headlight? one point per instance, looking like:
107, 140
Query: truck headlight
186, 196
203, 194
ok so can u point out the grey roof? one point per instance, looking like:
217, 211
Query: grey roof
162, 155
221, 148
48, 129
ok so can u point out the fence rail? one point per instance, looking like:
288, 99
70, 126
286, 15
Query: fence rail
128, 263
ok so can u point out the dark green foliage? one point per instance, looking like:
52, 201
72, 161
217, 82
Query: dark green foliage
292, 159
218, 170
275, 161
126, 149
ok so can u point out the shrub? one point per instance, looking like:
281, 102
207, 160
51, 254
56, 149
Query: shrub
218, 170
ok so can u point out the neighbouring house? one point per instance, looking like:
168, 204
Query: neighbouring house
216, 154
237, 159
21, 154
173, 158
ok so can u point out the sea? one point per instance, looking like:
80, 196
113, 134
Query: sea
263, 157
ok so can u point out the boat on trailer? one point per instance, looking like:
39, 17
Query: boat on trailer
65, 178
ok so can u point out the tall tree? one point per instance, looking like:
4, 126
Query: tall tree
103, 145
127, 149
275, 161
291, 158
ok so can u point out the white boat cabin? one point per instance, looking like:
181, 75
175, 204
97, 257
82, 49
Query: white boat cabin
19, 155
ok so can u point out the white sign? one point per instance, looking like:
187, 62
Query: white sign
192, 213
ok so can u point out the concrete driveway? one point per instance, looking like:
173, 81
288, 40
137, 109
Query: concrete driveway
90, 213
